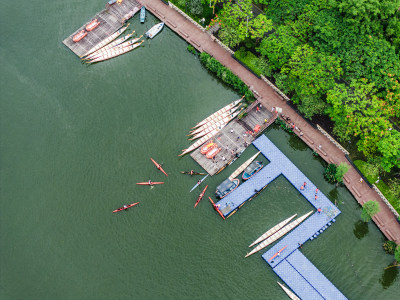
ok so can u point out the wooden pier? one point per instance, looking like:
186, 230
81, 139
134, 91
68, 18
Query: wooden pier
110, 18
234, 138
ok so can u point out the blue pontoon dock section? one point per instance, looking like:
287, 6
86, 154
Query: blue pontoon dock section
291, 265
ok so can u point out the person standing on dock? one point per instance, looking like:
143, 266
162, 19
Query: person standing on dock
302, 188
316, 191
305, 183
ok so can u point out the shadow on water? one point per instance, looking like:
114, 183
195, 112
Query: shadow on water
296, 143
334, 195
389, 276
360, 229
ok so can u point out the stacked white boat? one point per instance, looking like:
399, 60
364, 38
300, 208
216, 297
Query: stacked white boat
276, 233
211, 125
112, 47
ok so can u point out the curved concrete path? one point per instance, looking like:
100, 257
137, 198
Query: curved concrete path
202, 41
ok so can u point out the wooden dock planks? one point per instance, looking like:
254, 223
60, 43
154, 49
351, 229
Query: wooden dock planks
110, 21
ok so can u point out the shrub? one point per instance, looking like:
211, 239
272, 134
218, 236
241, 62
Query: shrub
390, 247
330, 172
340, 171
369, 209
397, 253
226, 75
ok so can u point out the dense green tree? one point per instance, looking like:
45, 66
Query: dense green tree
311, 75
239, 17
357, 112
397, 253
195, 7
229, 36
341, 169
279, 47
369, 209
389, 148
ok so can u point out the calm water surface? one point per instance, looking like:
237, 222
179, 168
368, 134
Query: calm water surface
75, 140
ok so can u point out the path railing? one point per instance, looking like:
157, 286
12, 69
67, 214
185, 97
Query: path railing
385, 200
275, 88
332, 140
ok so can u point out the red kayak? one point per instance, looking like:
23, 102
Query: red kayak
277, 253
125, 207
216, 208
149, 183
201, 196
158, 166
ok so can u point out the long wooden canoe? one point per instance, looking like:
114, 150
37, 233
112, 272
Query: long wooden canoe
288, 292
271, 231
219, 112
279, 234
110, 45
107, 40
216, 126
243, 166
215, 120
111, 51
115, 53
199, 142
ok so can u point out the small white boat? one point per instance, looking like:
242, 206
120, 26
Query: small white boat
107, 40
109, 46
218, 113
115, 52
154, 30
279, 234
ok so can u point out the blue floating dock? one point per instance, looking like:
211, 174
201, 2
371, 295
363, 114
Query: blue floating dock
293, 267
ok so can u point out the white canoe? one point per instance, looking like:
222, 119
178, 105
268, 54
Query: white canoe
243, 166
272, 230
279, 234
219, 112
107, 40
154, 30
109, 46
116, 52
216, 126
199, 142
112, 50
214, 121
288, 292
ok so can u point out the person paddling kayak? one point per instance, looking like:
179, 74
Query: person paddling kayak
191, 172
150, 183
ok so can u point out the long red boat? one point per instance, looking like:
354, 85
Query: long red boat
149, 183
158, 166
125, 207
201, 196
216, 208
277, 253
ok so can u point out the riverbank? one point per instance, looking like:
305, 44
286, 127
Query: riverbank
202, 41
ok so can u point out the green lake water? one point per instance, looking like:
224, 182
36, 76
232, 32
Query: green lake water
74, 140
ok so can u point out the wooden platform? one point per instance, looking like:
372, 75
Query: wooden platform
110, 21
234, 138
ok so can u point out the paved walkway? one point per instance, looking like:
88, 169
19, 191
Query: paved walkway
202, 41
